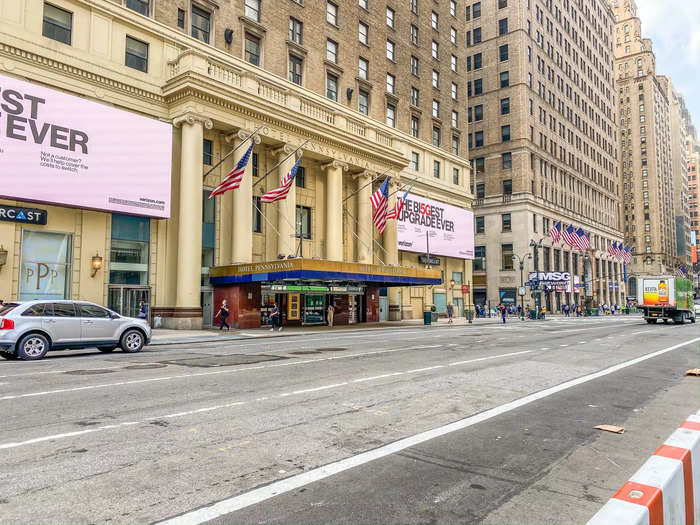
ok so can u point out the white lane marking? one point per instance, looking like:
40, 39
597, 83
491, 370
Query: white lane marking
233, 404
456, 363
642, 332
416, 370
276, 488
545, 348
582, 342
563, 346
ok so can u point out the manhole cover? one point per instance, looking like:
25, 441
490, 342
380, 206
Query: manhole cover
145, 366
332, 349
90, 372
224, 360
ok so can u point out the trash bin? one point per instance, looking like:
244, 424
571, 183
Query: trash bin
427, 317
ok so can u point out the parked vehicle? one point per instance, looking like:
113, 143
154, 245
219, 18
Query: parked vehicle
665, 297
696, 307
28, 330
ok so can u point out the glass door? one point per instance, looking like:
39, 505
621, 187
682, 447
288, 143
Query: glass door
126, 300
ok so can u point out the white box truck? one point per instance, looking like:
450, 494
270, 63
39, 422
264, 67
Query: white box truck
665, 297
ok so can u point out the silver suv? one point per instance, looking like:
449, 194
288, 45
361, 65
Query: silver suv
30, 329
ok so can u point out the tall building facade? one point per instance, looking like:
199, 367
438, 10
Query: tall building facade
361, 88
693, 155
543, 142
645, 147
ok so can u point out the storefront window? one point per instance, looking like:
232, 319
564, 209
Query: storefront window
457, 277
128, 260
208, 235
45, 266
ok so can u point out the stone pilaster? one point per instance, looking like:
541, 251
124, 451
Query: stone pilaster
334, 209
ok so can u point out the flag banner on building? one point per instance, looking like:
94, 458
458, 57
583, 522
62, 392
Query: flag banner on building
619, 251
570, 237
280, 193
612, 249
627, 255
583, 242
681, 272
380, 200
395, 212
233, 178
555, 233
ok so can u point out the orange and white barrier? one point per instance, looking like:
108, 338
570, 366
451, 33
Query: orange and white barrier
666, 490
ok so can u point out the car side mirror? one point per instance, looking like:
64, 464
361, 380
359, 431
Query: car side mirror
113, 316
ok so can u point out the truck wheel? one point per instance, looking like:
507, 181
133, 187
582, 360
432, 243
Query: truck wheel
665, 321
651, 321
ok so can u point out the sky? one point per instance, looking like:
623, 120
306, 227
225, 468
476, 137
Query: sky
674, 28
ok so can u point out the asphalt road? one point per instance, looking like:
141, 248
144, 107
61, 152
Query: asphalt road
466, 424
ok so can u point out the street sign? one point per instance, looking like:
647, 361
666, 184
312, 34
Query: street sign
521, 291
465, 288
433, 261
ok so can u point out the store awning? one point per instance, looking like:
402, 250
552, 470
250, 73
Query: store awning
322, 271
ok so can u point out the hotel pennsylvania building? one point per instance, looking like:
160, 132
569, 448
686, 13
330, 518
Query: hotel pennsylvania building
364, 92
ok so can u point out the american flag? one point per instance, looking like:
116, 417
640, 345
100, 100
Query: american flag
280, 193
627, 255
583, 242
395, 212
555, 233
615, 250
681, 272
570, 237
233, 178
379, 200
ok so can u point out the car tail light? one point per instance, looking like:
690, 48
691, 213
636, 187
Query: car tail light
7, 324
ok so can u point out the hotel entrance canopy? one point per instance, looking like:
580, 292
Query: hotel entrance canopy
311, 270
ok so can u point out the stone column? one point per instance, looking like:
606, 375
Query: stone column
242, 216
287, 208
188, 310
225, 203
334, 209
365, 248
392, 257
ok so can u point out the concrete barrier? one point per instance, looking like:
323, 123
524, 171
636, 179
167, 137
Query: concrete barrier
666, 490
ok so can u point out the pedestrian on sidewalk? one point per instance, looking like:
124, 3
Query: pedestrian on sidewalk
143, 311
331, 311
223, 314
275, 318
503, 311
450, 313
543, 311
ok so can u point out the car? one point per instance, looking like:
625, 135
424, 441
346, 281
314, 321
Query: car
696, 307
28, 330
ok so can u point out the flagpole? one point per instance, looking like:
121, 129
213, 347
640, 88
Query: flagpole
403, 186
279, 163
365, 185
231, 152
358, 238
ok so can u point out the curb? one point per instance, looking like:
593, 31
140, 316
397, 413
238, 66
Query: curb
666, 489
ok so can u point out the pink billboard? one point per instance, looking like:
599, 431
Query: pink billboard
427, 226
62, 149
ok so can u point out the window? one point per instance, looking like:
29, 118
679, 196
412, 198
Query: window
454, 91
503, 53
476, 10
252, 9
415, 126
505, 222
208, 155
295, 30
363, 68
455, 119
390, 15
434, 20
479, 264
436, 108
455, 146
390, 115
435, 50
436, 79
477, 61
507, 256
254, 162
332, 87
505, 106
414, 66
507, 161
140, 6
363, 34
332, 51
505, 79
257, 216
201, 24
414, 7
436, 136
415, 96
478, 86
90, 310
181, 18
414, 35
363, 102
391, 83
415, 160
502, 26
136, 54
300, 178
505, 133
58, 24
390, 50
453, 35
36, 310
478, 139
64, 310
478, 113
479, 165
303, 222
455, 176
295, 65
477, 35
436, 169
453, 8
480, 223
502, 4
453, 63
129, 253
331, 13
480, 191
252, 49
508, 190
364, 4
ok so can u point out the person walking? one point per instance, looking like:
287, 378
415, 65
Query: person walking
331, 312
223, 314
275, 318
543, 311
450, 313
143, 311
504, 312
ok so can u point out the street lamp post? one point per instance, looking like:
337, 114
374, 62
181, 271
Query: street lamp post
521, 260
538, 297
